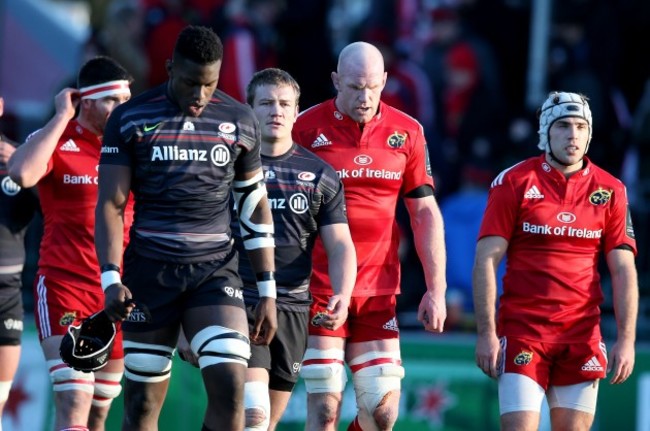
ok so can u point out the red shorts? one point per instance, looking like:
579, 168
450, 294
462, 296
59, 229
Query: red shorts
554, 364
369, 318
61, 303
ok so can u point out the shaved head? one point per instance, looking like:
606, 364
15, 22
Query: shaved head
361, 55
359, 80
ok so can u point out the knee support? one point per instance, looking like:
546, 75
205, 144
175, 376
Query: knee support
65, 378
216, 345
374, 375
5, 387
323, 371
248, 195
107, 387
147, 363
256, 397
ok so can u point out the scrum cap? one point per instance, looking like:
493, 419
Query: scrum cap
561, 105
87, 346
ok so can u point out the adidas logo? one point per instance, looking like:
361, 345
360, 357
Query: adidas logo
533, 193
592, 365
391, 325
321, 141
69, 145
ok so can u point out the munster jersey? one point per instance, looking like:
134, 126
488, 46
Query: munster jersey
68, 193
556, 229
182, 169
377, 165
17, 208
304, 194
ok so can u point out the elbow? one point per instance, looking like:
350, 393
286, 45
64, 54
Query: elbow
21, 177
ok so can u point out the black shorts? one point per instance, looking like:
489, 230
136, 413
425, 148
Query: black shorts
169, 289
11, 316
284, 355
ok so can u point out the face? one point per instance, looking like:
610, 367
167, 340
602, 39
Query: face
568, 138
276, 110
358, 91
191, 85
97, 111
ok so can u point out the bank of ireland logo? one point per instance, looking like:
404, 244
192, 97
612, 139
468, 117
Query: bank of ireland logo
298, 203
396, 140
9, 187
220, 155
566, 217
600, 197
523, 358
363, 160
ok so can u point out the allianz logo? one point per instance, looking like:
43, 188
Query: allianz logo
219, 154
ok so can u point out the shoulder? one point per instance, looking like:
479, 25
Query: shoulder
316, 165
311, 116
518, 172
399, 118
227, 107
147, 101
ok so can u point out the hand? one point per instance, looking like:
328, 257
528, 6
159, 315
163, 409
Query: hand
6, 150
620, 362
432, 312
488, 354
66, 102
337, 312
117, 302
266, 321
185, 351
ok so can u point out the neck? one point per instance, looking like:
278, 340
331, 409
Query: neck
566, 170
276, 148
86, 124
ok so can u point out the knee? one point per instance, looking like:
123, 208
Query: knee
387, 411
257, 406
325, 409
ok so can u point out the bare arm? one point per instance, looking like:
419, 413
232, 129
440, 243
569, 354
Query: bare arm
625, 289
429, 238
28, 163
114, 187
342, 267
489, 252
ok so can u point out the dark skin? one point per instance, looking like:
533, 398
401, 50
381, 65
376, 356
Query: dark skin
190, 86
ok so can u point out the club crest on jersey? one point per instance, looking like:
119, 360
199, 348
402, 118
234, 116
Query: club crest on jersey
523, 358
306, 176
68, 318
396, 140
600, 197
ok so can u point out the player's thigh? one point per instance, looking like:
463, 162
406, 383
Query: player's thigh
288, 349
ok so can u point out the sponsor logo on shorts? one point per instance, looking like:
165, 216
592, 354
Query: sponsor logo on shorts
295, 368
233, 293
13, 324
592, 364
319, 318
523, 358
391, 325
68, 318
138, 316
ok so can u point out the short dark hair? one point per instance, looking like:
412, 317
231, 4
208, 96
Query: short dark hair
101, 69
199, 44
270, 76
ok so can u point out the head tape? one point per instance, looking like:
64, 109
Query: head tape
561, 105
87, 346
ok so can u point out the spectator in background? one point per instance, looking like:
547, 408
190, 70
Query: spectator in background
123, 40
250, 41
17, 208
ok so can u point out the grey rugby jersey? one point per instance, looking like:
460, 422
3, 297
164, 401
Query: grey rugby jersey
182, 171
305, 194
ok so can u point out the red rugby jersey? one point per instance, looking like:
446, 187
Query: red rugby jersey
68, 195
556, 229
377, 166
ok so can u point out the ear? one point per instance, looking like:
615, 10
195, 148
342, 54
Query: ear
335, 80
168, 67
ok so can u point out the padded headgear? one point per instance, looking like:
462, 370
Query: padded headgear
561, 105
87, 346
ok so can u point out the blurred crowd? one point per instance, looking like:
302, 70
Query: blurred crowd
459, 66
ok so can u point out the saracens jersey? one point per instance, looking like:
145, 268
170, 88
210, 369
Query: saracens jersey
182, 170
68, 194
17, 208
377, 165
304, 194
556, 228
